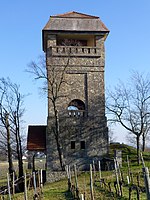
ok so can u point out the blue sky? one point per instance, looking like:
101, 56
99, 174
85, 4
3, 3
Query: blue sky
21, 22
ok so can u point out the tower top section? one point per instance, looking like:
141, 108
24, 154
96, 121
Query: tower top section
74, 21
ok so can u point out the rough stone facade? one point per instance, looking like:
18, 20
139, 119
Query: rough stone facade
55, 176
79, 70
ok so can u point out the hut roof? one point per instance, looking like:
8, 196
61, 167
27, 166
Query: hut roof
75, 21
36, 140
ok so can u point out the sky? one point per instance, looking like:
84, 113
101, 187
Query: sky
21, 23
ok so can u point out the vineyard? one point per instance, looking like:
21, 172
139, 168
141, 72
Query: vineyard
127, 182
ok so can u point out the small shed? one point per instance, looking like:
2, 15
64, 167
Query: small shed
36, 140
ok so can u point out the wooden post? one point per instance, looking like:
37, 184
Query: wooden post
25, 187
118, 169
91, 183
69, 177
147, 181
142, 160
13, 184
76, 181
94, 172
100, 174
84, 186
34, 183
82, 197
138, 179
128, 181
76, 178
109, 185
29, 184
117, 178
146, 178
99, 169
131, 177
130, 192
129, 171
41, 180
8, 185
38, 179
138, 193
69, 170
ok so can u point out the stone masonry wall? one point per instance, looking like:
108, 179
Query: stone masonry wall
82, 78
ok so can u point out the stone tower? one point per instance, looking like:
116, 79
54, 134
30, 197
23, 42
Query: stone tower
75, 58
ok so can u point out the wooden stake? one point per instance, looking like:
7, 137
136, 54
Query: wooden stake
147, 181
117, 178
13, 184
84, 186
129, 171
69, 170
94, 172
76, 182
8, 185
82, 197
128, 181
118, 169
34, 183
99, 169
25, 187
76, 178
69, 177
91, 183
41, 180
142, 160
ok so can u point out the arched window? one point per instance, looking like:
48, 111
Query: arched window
76, 108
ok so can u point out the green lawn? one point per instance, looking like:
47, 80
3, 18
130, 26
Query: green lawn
59, 190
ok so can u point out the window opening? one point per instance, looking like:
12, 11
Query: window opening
82, 144
76, 108
71, 42
72, 144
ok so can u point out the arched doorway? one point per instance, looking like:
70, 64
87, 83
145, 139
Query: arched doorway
76, 108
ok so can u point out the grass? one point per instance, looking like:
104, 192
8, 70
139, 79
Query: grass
59, 190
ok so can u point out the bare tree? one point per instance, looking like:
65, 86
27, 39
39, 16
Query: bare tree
53, 81
131, 140
11, 112
3, 144
6, 125
129, 105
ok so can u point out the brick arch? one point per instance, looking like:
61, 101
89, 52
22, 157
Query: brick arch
78, 104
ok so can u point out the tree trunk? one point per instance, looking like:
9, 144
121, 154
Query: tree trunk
60, 155
18, 146
138, 148
20, 159
143, 142
33, 163
20, 162
57, 137
11, 167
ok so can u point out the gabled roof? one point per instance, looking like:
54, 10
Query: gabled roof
75, 21
36, 140
74, 14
